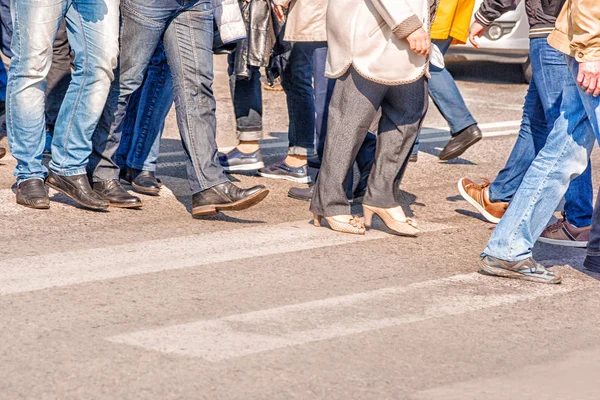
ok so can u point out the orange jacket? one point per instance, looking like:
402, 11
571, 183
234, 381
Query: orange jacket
452, 19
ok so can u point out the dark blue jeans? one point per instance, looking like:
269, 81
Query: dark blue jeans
297, 82
145, 118
186, 31
323, 90
542, 107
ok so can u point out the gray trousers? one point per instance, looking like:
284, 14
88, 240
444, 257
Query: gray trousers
353, 108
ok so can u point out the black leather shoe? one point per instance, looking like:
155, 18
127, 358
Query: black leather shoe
461, 142
2, 152
113, 192
144, 182
78, 188
226, 196
33, 194
301, 193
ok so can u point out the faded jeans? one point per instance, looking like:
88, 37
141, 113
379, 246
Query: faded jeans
541, 109
564, 157
92, 29
186, 30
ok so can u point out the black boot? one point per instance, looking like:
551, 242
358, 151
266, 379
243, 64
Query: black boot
78, 188
33, 194
113, 192
144, 182
226, 196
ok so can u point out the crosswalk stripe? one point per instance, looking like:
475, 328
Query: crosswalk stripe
76, 267
293, 325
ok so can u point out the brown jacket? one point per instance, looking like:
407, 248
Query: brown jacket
305, 20
577, 31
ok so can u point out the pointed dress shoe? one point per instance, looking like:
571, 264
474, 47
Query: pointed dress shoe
113, 192
78, 188
32, 193
226, 196
144, 182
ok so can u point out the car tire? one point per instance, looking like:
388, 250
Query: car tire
526, 67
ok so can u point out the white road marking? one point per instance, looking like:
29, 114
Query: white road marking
76, 267
426, 131
277, 328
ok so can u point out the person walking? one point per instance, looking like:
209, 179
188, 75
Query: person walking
542, 107
92, 30
305, 30
564, 156
451, 26
365, 39
187, 35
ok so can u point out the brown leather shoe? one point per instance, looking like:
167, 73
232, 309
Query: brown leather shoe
226, 197
562, 233
2, 152
479, 197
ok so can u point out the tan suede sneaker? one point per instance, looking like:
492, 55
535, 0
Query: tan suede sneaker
478, 196
562, 233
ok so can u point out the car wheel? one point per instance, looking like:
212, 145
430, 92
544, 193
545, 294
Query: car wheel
526, 66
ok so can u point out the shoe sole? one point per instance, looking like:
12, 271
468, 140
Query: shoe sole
504, 273
306, 179
145, 190
245, 203
118, 205
40, 207
565, 243
94, 208
478, 207
298, 197
246, 167
460, 151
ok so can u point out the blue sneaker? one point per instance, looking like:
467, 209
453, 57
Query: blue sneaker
528, 269
283, 171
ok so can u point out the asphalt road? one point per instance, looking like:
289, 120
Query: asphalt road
260, 304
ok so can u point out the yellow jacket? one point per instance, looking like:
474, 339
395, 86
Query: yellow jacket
452, 19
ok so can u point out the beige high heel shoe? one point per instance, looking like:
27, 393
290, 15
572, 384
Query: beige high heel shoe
354, 224
408, 227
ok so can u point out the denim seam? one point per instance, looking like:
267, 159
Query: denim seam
535, 199
191, 148
81, 88
146, 19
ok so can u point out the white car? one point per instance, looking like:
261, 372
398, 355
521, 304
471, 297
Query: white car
505, 41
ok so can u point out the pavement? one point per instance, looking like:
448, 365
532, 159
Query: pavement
260, 304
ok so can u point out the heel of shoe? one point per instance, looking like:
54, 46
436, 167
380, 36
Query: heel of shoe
317, 219
368, 214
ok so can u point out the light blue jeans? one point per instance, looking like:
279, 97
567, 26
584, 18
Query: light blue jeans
93, 29
564, 157
542, 107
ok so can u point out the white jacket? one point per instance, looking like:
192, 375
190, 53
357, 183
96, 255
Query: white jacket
229, 20
360, 33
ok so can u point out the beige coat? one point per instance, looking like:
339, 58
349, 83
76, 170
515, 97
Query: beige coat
577, 31
368, 35
305, 20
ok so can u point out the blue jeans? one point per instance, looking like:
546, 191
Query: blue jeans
297, 83
186, 30
145, 118
446, 96
93, 28
541, 109
3, 81
564, 157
